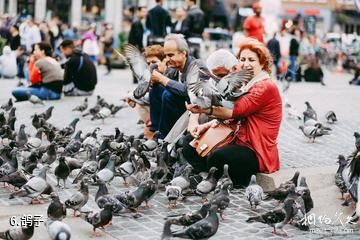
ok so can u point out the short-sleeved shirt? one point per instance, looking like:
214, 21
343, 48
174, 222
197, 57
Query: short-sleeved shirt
261, 109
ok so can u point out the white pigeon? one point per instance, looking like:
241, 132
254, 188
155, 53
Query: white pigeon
58, 230
254, 193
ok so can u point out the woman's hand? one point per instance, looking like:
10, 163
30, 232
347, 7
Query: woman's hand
196, 108
198, 130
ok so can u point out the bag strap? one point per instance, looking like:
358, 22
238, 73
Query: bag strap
81, 63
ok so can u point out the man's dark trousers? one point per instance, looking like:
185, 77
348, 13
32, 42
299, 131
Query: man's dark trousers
165, 109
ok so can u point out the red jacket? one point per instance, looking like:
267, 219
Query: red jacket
254, 27
262, 109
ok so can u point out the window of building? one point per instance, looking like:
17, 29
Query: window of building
26, 7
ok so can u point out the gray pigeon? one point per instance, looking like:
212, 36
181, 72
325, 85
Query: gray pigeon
303, 190
56, 209
107, 174
144, 192
202, 229
222, 199
172, 193
19, 233
79, 199
357, 143
82, 107
313, 132
309, 112
103, 197
50, 156
34, 187
225, 178
281, 192
339, 179
254, 193
8, 105
331, 117
189, 218
99, 219
21, 138
207, 185
182, 181
58, 230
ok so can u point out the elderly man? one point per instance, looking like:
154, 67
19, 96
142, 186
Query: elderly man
169, 91
220, 63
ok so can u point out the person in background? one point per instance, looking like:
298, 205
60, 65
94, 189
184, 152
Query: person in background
14, 41
194, 25
157, 20
314, 72
293, 55
274, 47
80, 77
8, 66
107, 40
254, 25
219, 15
180, 16
50, 85
137, 30
90, 44
29, 33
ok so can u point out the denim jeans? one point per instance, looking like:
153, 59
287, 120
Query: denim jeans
23, 94
165, 109
291, 72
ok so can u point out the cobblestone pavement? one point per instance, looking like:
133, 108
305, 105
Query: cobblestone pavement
294, 149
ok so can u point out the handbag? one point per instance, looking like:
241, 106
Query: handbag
213, 138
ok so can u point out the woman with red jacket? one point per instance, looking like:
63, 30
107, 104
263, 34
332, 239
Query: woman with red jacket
260, 111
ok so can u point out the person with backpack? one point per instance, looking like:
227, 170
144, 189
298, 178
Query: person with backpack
80, 77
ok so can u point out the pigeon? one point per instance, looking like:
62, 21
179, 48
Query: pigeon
92, 111
103, 197
225, 178
107, 174
2, 119
21, 138
74, 145
357, 143
126, 169
141, 70
47, 114
35, 142
313, 132
56, 209
172, 193
294, 211
99, 219
37, 122
281, 192
202, 229
309, 112
331, 117
82, 107
207, 185
104, 112
142, 193
10, 166
271, 218
88, 168
19, 233
16, 179
69, 130
221, 199
35, 100
189, 218
50, 156
291, 111
303, 190
254, 193
34, 187
62, 171
79, 199
339, 179
182, 181
8, 105
58, 230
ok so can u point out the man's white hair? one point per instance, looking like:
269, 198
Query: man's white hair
219, 58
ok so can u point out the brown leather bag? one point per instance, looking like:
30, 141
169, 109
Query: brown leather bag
213, 138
